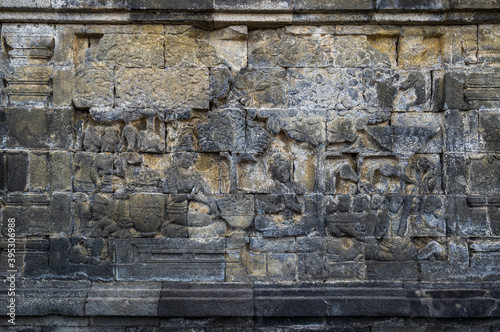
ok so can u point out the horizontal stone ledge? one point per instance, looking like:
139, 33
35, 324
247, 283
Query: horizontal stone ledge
194, 299
255, 18
252, 5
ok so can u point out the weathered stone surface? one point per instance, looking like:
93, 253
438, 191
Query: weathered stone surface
472, 90
397, 90
206, 300
67, 298
292, 47
286, 215
123, 299
174, 260
264, 88
483, 172
93, 87
344, 171
186, 46
334, 88
125, 50
156, 88
39, 128
433, 47
488, 46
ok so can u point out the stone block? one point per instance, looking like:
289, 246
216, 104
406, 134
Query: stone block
126, 50
367, 299
27, 86
418, 132
333, 5
282, 266
97, 4
489, 131
304, 300
62, 84
31, 256
345, 249
434, 47
187, 46
311, 244
60, 171
450, 303
17, 171
39, 128
155, 88
344, 270
94, 87
410, 5
311, 266
260, 87
483, 174
484, 254
26, 4
38, 171
455, 173
43, 297
123, 299
206, 300
363, 131
488, 45
405, 271
286, 215
255, 263
299, 125
242, 5
365, 51
462, 130
224, 130
333, 88
170, 4
402, 91
291, 47
494, 214
237, 211
285, 245
453, 90
81, 258
480, 90
173, 259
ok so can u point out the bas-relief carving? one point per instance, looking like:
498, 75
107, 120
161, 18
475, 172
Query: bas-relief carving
324, 133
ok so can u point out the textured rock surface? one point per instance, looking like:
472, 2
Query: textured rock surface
328, 172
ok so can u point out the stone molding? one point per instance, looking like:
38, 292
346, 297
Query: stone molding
214, 14
330, 299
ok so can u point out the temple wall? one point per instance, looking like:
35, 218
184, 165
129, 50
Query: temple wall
204, 165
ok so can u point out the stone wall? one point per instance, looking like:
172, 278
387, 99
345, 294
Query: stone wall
279, 164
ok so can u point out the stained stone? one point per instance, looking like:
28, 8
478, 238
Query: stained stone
215, 165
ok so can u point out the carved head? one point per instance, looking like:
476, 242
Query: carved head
281, 169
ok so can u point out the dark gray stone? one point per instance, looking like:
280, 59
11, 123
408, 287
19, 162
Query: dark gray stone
196, 5
299, 211
123, 299
453, 91
455, 173
274, 300
333, 5
17, 171
79, 257
44, 297
377, 270
206, 300
173, 259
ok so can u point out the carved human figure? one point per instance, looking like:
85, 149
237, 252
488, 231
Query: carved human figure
189, 211
92, 138
110, 139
